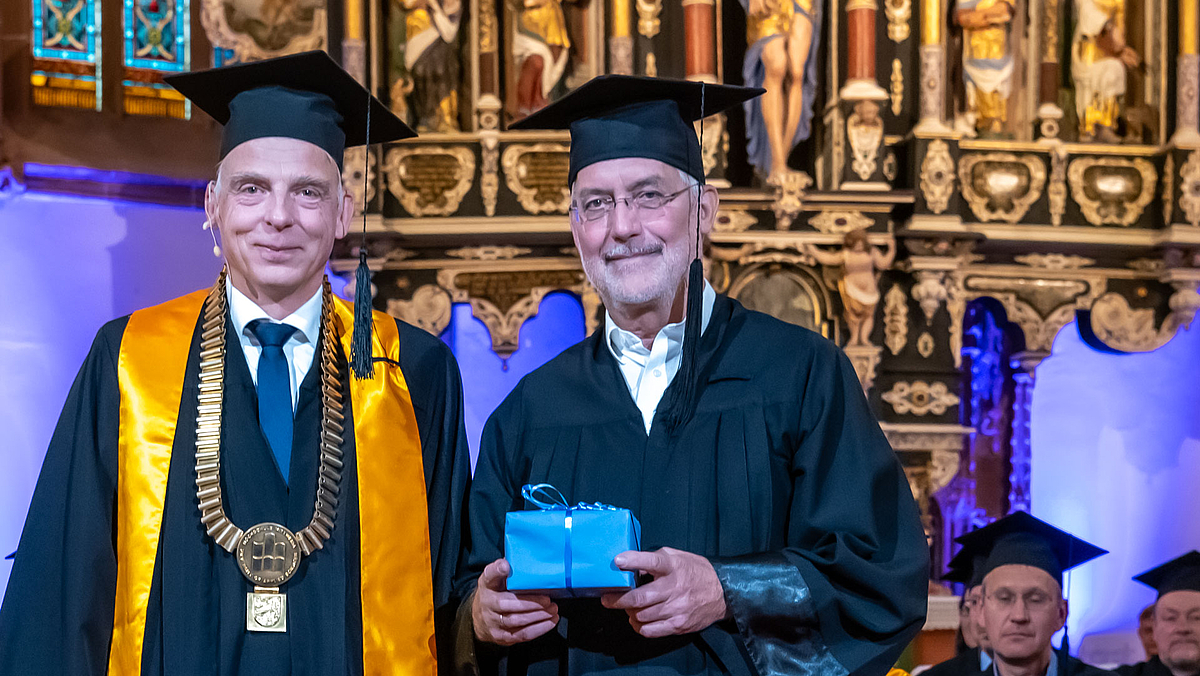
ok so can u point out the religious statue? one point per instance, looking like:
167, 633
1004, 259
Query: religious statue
431, 59
860, 264
987, 62
1099, 61
540, 48
781, 57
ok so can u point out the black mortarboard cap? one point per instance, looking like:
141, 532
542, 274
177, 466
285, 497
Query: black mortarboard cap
1181, 573
1022, 539
614, 116
618, 116
305, 96
966, 567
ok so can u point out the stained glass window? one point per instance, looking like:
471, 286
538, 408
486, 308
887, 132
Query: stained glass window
157, 37
66, 53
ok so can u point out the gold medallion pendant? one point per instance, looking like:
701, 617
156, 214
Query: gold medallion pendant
268, 556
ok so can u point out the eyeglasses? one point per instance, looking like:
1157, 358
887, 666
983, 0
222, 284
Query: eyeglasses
1034, 600
596, 208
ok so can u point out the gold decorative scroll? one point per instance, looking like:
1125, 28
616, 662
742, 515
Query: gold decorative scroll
537, 175
920, 398
895, 319
1112, 190
840, 222
648, 21
734, 220
1001, 186
504, 300
897, 90
430, 309
430, 180
1189, 188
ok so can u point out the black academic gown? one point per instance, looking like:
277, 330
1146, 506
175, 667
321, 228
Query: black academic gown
58, 610
965, 663
1151, 667
1074, 667
782, 478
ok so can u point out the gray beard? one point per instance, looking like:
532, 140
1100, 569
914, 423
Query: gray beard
675, 267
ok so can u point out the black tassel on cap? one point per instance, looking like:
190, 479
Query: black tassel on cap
362, 361
683, 399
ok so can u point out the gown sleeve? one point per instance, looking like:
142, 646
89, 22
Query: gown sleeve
848, 591
57, 616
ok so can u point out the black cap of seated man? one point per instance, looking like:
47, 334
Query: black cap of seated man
308, 97
1021, 539
1181, 573
617, 116
965, 567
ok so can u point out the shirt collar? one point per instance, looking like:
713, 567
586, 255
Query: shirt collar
621, 341
306, 319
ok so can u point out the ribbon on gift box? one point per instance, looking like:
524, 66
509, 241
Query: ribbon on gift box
553, 501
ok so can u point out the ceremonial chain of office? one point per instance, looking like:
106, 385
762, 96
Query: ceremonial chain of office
269, 540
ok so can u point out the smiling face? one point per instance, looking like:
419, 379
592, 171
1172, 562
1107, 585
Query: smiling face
1022, 608
634, 256
279, 207
1177, 630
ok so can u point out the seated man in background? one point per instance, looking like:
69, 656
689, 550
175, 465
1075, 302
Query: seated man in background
974, 655
1023, 598
1176, 619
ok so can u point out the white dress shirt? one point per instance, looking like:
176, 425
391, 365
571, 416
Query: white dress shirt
299, 348
648, 372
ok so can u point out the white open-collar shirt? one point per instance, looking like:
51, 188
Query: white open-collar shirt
648, 371
299, 348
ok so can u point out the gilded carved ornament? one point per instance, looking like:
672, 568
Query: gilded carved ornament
430, 309
1054, 261
537, 175
864, 129
487, 28
429, 180
488, 253
789, 196
1040, 307
890, 167
930, 292
1124, 328
925, 344
937, 176
734, 220
895, 319
489, 175
1112, 190
865, 360
1168, 189
840, 222
1056, 194
1001, 186
713, 136
920, 398
308, 32
897, 89
504, 300
1189, 188
898, 12
358, 176
648, 21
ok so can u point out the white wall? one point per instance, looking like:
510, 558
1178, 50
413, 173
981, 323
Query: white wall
1116, 460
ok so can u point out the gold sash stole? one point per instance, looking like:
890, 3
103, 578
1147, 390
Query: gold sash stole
396, 588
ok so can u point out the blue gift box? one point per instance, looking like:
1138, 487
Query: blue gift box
561, 550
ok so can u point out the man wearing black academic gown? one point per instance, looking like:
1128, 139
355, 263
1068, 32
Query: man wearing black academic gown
278, 204
1024, 602
975, 653
1176, 619
776, 521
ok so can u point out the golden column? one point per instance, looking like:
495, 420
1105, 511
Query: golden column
620, 41
354, 46
1187, 83
1048, 73
932, 89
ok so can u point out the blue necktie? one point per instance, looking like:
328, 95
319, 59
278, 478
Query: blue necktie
275, 390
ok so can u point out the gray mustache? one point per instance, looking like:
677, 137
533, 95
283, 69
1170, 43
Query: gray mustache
626, 251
